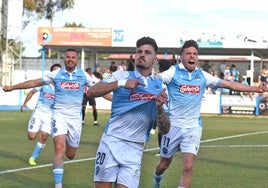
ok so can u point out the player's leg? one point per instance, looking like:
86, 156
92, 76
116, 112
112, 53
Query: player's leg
189, 148
187, 169
153, 129
58, 168
169, 146
40, 145
45, 131
34, 126
92, 102
83, 113
84, 106
59, 133
159, 171
95, 115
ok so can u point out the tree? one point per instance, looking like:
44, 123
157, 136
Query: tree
39, 9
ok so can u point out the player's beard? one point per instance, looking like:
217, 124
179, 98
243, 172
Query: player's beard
140, 66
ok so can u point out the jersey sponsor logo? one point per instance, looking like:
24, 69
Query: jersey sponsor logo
70, 85
49, 95
142, 96
190, 89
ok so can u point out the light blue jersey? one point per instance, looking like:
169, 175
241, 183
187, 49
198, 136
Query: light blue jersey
41, 116
69, 88
186, 90
133, 111
46, 97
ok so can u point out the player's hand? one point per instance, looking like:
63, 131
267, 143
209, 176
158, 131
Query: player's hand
161, 98
263, 86
133, 84
7, 88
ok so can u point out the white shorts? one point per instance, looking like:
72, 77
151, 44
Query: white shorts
118, 160
40, 120
186, 140
71, 126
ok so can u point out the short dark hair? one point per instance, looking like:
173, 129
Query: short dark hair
71, 50
189, 43
147, 40
163, 65
88, 69
54, 65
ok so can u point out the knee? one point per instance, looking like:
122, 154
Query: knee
188, 166
31, 136
162, 166
70, 156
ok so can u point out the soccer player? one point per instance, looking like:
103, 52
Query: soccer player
163, 65
137, 98
90, 100
66, 118
40, 121
186, 85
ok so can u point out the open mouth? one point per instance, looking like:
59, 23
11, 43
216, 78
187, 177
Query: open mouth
191, 62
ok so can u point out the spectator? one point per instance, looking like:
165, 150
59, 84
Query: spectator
222, 69
264, 74
112, 67
235, 73
130, 66
90, 100
122, 66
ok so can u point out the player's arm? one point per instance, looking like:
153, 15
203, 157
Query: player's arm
108, 97
25, 85
28, 97
162, 119
236, 86
102, 88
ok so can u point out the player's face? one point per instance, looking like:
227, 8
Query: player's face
145, 57
70, 60
189, 58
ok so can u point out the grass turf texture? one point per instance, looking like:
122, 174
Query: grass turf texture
233, 154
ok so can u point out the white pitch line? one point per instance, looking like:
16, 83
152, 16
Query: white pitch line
234, 136
45, 165
146, 150
235, 146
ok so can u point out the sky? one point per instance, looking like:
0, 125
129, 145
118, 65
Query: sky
241, 16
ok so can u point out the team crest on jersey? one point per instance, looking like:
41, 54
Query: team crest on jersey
70, 85
141, 96
191, 89
197, 77
79, 77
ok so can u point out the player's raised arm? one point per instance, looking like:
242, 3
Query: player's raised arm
102, 88
24, 85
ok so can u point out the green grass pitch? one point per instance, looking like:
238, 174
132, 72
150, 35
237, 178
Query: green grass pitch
233, 154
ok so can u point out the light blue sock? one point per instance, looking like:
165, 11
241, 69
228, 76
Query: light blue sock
37, 150
158, 178
58, 174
